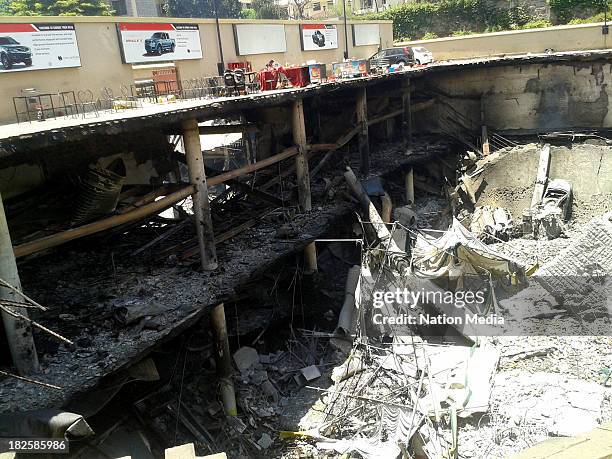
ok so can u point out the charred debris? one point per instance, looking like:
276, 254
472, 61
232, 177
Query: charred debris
276, 352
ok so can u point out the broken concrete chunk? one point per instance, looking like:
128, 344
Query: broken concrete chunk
265, 441
259, 376
236, 423
268, 388
245, 358
310, 373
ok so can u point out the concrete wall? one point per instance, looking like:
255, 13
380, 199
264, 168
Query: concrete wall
509, 179
102, 65
529, 98
561, 38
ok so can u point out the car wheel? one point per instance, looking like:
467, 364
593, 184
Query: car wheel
172, 48
158, 50
6, 62
418, 62
28, 62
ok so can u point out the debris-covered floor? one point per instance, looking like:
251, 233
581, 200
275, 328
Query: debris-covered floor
312, 377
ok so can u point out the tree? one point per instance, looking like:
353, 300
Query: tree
4, 7
59, 8
202, 8
299, 7
267, 9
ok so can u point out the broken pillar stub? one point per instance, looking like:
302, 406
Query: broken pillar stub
201, 204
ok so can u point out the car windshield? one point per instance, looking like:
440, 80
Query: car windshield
7, 41
158, 35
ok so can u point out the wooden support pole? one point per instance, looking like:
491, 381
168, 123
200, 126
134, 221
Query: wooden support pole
362, 121
201, 205
485, 136
310, 258
223, 359
18, 331
407, 112
301, 160
410, 187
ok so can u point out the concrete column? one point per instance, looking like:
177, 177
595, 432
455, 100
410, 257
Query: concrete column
310, 258
224, 360
18, 331
410, 188
301, 161
407, 112
201, 205
485, 136
362, 120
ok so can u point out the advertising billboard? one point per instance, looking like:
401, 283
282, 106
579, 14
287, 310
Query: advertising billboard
366, 34
37, 47
142, 43
259, 39
319, 36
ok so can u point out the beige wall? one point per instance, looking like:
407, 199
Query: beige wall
102, 65
562, 38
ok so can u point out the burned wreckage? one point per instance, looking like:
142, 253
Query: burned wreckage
420, 297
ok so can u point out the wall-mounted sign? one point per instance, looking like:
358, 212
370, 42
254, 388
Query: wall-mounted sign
366, 34
38, 46
319, 36
259, 39
141, 43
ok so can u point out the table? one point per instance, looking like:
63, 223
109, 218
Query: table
42, 106
351, 69
297, 76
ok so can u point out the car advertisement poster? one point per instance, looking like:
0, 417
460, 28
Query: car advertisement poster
319, 36
142, 43
37, 47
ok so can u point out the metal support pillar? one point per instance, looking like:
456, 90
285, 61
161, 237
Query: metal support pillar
301, 161
362, 120
18, 331
201, 205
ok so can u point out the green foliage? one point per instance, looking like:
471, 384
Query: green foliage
563, 11
461, 33
59, 8
537, 24
4, 7
267, 9
429, 36
600, 17
248, 13
413, 20
202, 8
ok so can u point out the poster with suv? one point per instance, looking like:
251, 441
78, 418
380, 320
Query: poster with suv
37, 47
319, 36
141, 43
